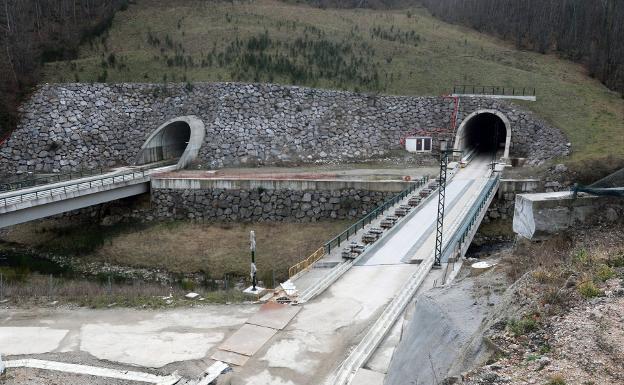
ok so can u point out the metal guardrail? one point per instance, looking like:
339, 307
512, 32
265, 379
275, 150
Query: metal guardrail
493, 90
52, 178
306, 263
459, 237
336, 241
51, 191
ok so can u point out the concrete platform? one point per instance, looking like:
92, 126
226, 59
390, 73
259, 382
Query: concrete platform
274, 315
248, 339
537, 216
229, 357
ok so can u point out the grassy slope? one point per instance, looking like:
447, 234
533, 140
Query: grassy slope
591, 116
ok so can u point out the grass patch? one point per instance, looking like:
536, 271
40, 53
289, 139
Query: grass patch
40, 289
557, 379
604, 272
390, 51
588, 289
522, 326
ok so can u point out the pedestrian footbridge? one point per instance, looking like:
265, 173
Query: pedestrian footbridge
20, 204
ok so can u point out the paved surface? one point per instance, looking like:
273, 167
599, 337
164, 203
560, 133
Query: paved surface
310, 348
122, 335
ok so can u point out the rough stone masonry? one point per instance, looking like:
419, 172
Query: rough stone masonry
70, 126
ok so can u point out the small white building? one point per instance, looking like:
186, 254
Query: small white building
418, 144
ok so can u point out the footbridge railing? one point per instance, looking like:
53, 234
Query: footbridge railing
353, 229
470, 89
51, 178
18, 197
470, 223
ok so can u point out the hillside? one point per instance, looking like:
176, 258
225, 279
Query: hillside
387, 51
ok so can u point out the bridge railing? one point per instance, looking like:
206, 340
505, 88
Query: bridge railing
465, 89
470, 220
336, 241
71, 187
51, 178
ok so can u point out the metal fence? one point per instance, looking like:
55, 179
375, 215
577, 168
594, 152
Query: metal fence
493, 90
336, 241
306, 263
51, 191
53, 178
471, 218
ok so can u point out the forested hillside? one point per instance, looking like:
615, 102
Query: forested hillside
587, 31
33, 32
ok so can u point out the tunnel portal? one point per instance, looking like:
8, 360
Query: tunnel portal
485, 132
178, 139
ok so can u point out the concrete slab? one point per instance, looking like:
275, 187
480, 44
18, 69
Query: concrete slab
122, 335
229, 357
136, 344
30, 340
367, 377
274, 315
248, 339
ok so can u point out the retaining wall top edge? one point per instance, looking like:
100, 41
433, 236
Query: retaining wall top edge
276, 184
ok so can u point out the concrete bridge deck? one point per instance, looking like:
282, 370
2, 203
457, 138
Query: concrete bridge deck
19, 206
336, 332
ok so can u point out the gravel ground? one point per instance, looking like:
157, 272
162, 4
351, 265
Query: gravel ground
586, 348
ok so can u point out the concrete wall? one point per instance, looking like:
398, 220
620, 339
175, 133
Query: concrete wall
68, 126
538, 216
502, 207
262, 200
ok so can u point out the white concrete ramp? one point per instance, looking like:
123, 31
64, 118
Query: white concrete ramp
330, 340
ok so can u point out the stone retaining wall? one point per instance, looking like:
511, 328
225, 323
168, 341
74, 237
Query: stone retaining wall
264, 205
68, 126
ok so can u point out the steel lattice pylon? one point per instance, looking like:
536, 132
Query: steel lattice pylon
441, 195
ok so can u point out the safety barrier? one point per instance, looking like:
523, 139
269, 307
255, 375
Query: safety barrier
48, 192
53, 178
336, 241
472, 216
492, 90
306, 263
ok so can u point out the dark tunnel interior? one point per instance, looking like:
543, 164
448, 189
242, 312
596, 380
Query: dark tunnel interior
486, 132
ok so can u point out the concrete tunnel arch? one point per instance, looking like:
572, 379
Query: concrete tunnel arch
480, 124
178, 138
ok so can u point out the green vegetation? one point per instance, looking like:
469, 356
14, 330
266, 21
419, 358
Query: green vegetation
557, 379
522, 326
183, 247
396, 52
588, 289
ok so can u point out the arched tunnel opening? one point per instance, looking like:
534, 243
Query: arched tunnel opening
167, 143
485, 132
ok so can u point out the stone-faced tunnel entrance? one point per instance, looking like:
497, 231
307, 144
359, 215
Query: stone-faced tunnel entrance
486, 131
179, 138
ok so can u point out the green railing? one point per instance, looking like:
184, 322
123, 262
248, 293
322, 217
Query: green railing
337, 241
470, 220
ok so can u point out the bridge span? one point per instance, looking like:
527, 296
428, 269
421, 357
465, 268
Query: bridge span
27, 204
348, 309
